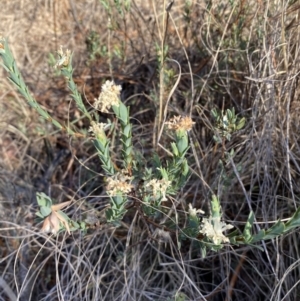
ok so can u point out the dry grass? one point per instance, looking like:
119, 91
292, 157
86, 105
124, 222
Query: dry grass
231, 55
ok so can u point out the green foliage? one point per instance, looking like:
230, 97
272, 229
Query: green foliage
161, 55
215, 207
117, 211
278, 229
64, 63
94, 48
226, 123
122, 113
149, 180
45, 204
15, 77
101, 143
122, 6
58, 220
178, 297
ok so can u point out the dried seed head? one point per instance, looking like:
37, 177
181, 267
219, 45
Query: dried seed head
54, 220
162, 236
109, 96
46, 225
63, 58
180, 123
51, 224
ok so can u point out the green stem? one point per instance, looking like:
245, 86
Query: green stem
67, 71
16, 79
122, 113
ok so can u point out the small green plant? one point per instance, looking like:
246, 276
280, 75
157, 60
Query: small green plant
94, 48
207, 231
226, 123
159, 180
54, 220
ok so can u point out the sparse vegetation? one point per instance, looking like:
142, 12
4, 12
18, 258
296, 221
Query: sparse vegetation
166, 162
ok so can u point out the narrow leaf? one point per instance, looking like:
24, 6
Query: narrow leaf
294, 221
275, 230
247, 230
258, 237
45, 211
60, 206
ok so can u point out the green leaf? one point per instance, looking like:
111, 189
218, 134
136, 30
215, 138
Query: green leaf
123, 113
229, 114
75, 226
127, 130
83, 225
294, 221
174, 149
256, 247
193, 222
275, 230
164, 173
241, 123
109, 214
45, 211
39, 214
247, 233
43, 199
107, 151
180, 297
40, 200
216, 247
217, 139
118, 200
63, 215
215, 207
233, 233
182, 144
203, 249
258, 237
215, 113
185, 168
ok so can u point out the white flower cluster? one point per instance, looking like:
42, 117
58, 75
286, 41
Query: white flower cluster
118, 183
97, 129
63, 58
194, 211
159, 187
211, 227
178, 123
108, 97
